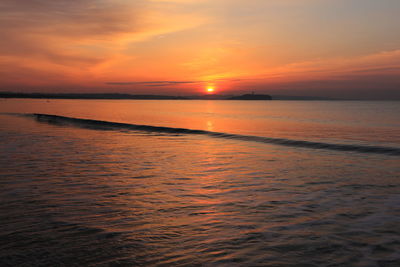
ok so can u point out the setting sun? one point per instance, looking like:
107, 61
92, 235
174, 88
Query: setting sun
210, 89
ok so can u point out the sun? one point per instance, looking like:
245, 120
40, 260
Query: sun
210, 89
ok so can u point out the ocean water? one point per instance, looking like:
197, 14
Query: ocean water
199, 183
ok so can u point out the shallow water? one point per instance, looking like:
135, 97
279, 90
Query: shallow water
73, 195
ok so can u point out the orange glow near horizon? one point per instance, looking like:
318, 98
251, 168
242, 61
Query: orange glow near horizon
183, 47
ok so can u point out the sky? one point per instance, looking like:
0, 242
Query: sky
333, 48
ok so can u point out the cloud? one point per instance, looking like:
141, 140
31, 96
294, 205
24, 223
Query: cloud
70, 18
381, 63
75, 40
170, 83
153, 83
54, 30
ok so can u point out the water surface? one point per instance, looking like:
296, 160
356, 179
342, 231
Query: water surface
73, 195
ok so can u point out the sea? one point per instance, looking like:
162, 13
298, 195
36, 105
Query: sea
199, 183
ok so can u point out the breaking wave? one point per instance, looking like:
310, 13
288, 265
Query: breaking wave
106, 125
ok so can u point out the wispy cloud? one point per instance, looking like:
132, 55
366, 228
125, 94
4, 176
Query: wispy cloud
76, 38
153, 83
171, 83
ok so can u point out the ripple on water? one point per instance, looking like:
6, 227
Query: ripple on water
80, 197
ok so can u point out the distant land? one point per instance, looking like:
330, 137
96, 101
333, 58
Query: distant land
129, 96
251, 97
85, 96
118, 96
291, 97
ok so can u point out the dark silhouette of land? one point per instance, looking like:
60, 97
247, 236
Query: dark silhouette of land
118, 96
317, 98
85, 96
129, 96
251, 97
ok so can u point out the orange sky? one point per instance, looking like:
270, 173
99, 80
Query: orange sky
340, 48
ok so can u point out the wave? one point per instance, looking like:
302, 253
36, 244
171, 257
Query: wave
97, 124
